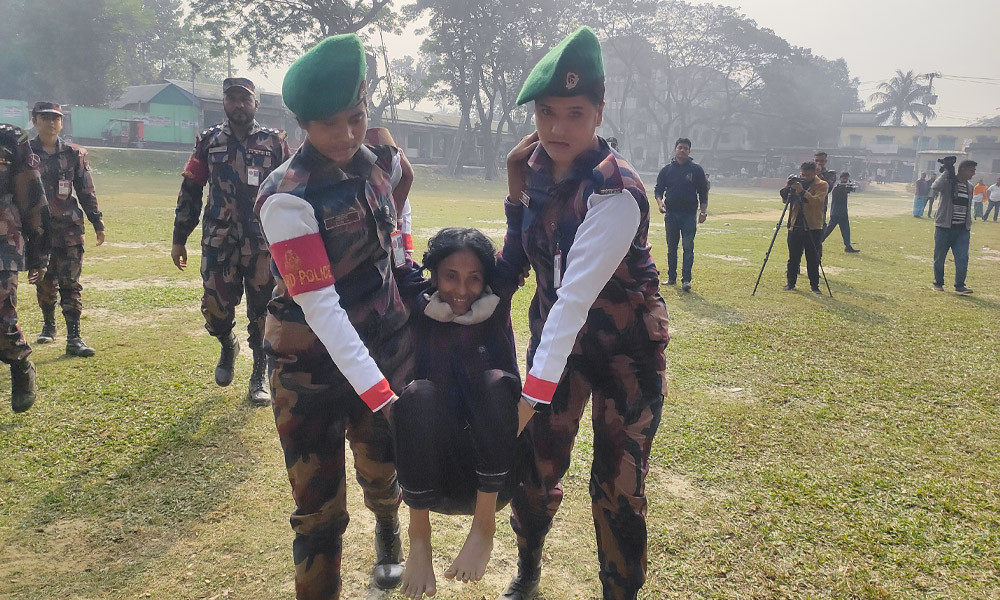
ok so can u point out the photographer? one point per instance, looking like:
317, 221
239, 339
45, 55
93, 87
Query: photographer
953, 221
838, 211
806, 196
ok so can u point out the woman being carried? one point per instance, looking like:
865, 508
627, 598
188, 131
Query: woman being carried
455, 425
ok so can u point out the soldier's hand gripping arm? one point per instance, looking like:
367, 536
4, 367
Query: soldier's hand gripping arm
297, 248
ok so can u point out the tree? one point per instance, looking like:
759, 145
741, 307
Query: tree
901, 97
478, 53
274, 33
803, 99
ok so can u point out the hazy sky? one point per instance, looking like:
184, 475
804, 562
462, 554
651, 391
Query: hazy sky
875, 37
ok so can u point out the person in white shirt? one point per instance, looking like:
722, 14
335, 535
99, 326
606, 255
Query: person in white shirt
993, 195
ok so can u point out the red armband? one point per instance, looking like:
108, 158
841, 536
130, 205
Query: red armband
539, 389
378, 395
195, 171
303, 263
408, 242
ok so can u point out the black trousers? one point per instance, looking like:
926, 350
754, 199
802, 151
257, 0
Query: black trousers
845, 228
445, 455
810, 242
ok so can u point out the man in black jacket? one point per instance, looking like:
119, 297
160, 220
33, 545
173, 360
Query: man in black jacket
682, 195
838, 211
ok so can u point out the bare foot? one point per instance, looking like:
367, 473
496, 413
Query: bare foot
418, 575
470, 564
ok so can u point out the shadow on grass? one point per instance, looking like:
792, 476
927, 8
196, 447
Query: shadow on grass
697, 305
182, 478
847, 311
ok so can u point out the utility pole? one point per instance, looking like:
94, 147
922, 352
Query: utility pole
929, 99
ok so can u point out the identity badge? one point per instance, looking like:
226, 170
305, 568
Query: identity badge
253, 176
398, 249
64, 187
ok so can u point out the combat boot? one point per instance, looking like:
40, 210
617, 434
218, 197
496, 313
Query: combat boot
49, 326
524, 586
22, 385
387, 573
227, 359
75, 346
257, 394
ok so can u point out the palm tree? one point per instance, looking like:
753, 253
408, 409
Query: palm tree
900, 97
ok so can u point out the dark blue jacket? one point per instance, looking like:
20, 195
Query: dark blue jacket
682, 187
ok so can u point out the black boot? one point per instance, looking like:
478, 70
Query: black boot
227, 359
75, 346
49, 326
524, 586
387, 573
257, 394
22, 385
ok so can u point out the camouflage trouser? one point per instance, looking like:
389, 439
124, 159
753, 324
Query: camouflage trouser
225, 272
13, 347
63, 275
314, 410
622, 369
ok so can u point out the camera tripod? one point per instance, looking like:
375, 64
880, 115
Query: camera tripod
795, 227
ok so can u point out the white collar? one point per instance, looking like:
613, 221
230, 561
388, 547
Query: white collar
481, 309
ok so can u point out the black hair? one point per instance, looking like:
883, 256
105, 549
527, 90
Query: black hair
683, 141
845, 174
820, 153
456, 239
967, 163
808, 166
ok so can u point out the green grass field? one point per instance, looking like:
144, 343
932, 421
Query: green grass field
810, 447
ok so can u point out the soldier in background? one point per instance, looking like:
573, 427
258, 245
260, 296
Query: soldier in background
23, 245
69, 189
233, 158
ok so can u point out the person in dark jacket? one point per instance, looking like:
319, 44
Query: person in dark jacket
455, 424
682, 195
838, 212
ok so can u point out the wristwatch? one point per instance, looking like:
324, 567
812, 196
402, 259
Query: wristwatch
704, 214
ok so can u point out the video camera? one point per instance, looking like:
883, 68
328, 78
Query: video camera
851, 186
793, 179
948, 166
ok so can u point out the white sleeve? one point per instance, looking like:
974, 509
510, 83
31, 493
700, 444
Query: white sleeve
397, 169
601, 243
286, 217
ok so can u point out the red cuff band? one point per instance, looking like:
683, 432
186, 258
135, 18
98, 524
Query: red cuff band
195, 171
303, 263
539, 389
377, 395
408, 241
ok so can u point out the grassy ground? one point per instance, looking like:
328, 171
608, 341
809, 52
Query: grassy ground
811, 447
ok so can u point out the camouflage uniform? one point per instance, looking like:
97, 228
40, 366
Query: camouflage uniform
23, 246
234, 252
64, 172
617, 359
315, 407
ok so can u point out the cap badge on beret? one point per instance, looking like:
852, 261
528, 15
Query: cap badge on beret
362, 90
573, 67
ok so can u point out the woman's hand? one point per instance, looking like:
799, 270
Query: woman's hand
516, 161
524, 413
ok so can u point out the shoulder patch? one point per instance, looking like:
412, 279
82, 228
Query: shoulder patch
79, 149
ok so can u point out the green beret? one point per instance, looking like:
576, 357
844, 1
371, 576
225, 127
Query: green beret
327, 79
572, 68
